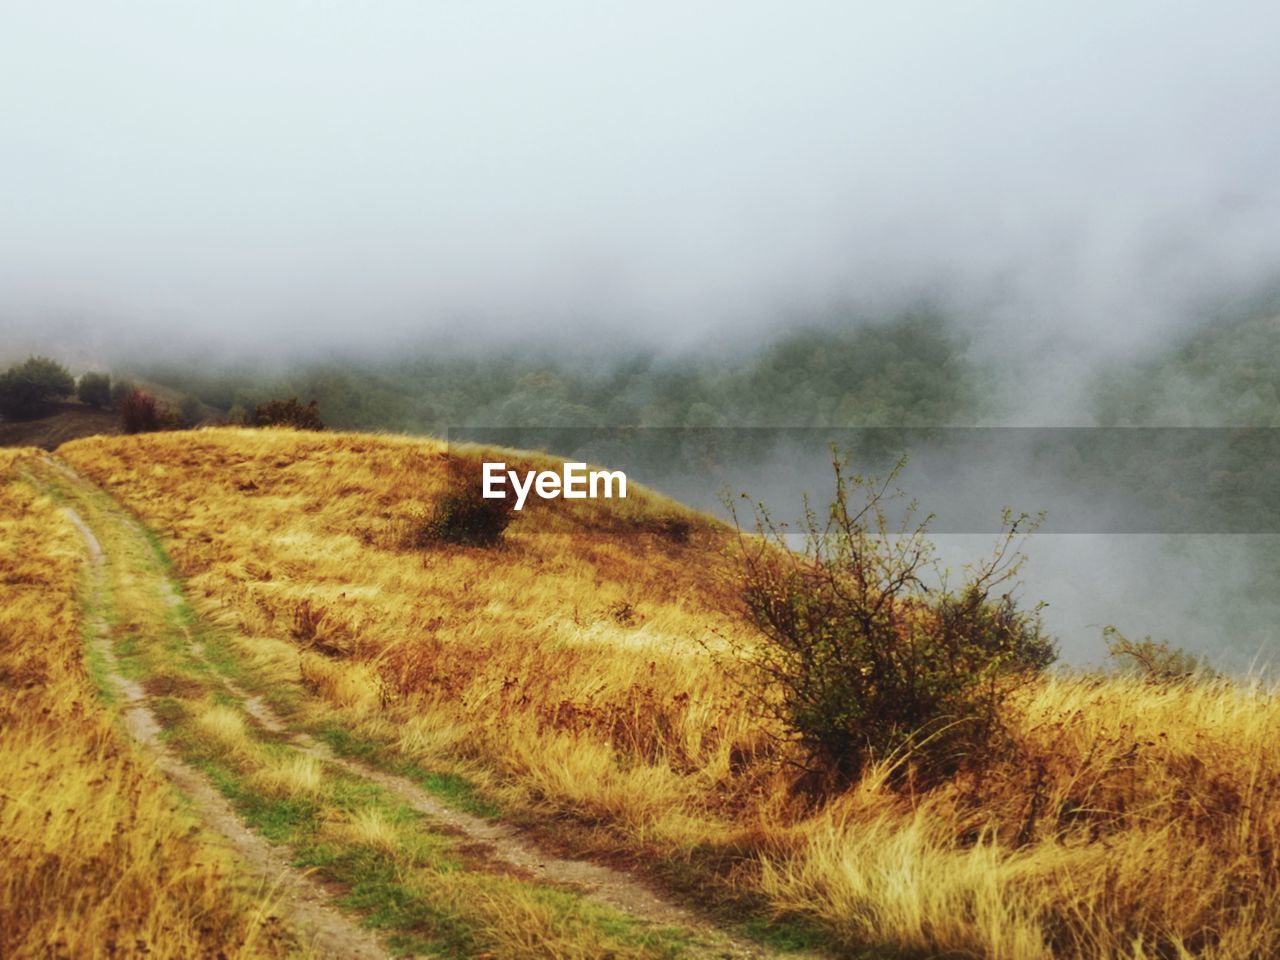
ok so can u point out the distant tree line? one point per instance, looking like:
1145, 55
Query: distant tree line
913, 369
140, 412
30, 389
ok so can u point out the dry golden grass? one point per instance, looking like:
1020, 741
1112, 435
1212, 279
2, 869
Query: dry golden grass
299, 775
371, 828
94, 858
1132, 820
226, 728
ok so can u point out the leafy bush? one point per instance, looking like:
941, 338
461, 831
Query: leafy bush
860, 659
120, 389
463, 515
27, 388
95, 389
286, 413
140, 412
1154, 659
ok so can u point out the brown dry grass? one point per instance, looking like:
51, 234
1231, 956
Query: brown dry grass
1132, 819
94, 858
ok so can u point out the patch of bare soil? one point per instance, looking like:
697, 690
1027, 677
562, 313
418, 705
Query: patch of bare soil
64, 421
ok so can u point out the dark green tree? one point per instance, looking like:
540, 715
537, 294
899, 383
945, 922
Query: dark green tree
95, 389
27, 388
121, 389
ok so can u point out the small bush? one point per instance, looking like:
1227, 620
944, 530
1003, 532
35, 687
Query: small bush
463, 515
860, 659
27, 388
140, 412
285, 413
1154, 659
95, 389
668, 526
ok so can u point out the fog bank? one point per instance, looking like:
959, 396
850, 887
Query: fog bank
1073, 180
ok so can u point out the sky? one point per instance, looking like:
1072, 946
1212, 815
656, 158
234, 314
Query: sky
1077, 178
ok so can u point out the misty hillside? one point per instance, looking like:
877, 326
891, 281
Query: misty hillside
911, 369
1225, 373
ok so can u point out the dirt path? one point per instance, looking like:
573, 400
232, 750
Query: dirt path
305, 903
323, 930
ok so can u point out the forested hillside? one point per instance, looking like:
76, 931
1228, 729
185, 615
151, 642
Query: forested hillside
1225, 371
913, 369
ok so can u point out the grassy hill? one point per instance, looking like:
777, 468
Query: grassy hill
562, 682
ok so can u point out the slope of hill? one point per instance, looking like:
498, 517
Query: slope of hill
64, 421
379, 849
562, 680
1226, 372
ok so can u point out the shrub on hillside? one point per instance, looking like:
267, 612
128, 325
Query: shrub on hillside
95, 389
1154, 659
861, 659
463, 516
677, 529
27, 388
140, 412
285, 413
